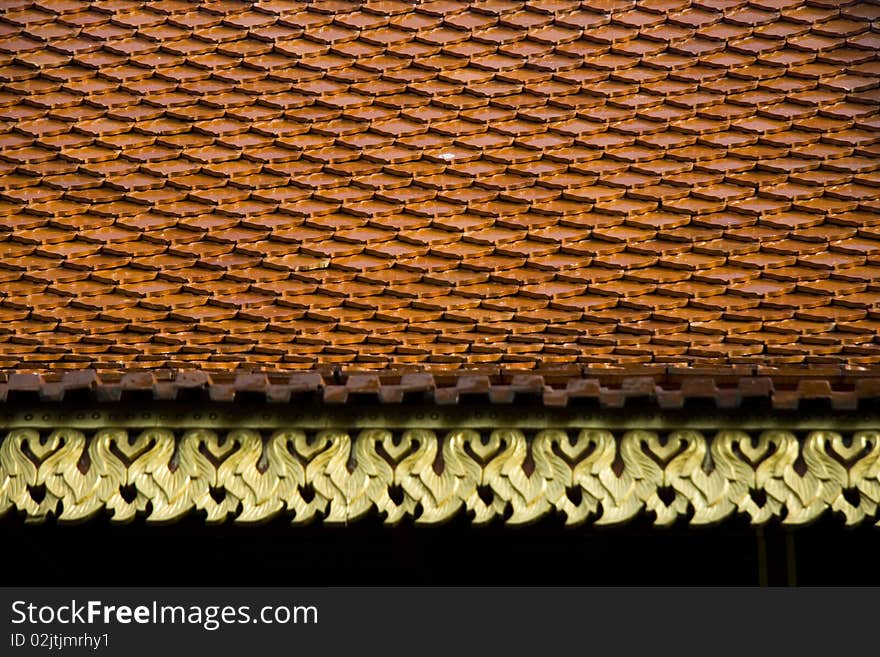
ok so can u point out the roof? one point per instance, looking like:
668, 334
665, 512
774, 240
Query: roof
634, 388
285, 185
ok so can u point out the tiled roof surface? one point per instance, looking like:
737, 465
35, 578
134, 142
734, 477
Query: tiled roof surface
284, 185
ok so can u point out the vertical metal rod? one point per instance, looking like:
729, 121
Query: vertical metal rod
790, 559
763, 579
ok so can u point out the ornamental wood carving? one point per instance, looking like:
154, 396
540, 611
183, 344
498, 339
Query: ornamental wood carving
417, 475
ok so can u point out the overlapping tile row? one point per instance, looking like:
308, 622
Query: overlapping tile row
633, 388
281, 185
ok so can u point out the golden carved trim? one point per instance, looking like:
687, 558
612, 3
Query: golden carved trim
591, 475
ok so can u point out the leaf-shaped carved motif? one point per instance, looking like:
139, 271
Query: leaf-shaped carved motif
439, 494
506, 474
18, 472
241, 475
706, 490
864, 475
734, 454
594, 453
636, 486
827, 456
104, 451
328, 471
367, 485
493, 452
195, 464
83, 493
554, 473
159, 474
42, 449
284, 455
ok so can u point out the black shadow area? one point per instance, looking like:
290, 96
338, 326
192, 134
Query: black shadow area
191, 553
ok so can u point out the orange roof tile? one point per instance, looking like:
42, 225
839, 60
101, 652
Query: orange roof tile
290, 185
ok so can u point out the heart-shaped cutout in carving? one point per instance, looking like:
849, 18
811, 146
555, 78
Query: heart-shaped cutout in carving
308, 449
485, 447
586, 442
39, 447
755, 449
214, 445
131, 446
664, 451
860, 441
396, 449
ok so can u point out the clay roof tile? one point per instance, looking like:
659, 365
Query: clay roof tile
699, 178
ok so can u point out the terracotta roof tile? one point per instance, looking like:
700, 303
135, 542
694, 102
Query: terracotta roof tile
438, 185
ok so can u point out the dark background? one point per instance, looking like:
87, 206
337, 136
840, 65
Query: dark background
190, 553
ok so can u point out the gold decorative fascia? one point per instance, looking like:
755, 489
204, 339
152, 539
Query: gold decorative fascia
593, 475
